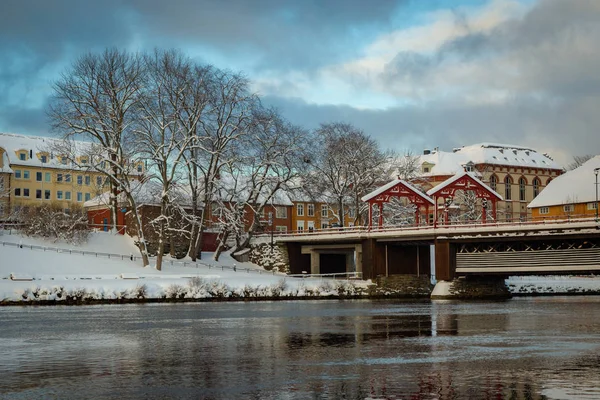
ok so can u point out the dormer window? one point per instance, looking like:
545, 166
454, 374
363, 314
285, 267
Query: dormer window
84, 160
139, 168
63, 160
44, 159
22, 156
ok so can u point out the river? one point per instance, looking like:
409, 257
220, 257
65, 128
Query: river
525, 348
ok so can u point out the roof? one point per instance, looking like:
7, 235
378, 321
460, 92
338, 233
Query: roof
12, 143
450, 163
459, 176
393, 183
576, 186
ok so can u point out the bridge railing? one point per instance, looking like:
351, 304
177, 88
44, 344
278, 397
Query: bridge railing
538, 221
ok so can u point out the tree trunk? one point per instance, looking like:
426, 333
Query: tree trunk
221, 245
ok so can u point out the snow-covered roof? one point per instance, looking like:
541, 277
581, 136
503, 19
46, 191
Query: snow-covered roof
148, 193
458, 176
5, 164
32, 145
576, 186
449, 163
393, 183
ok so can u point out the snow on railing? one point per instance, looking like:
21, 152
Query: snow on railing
343, 275
538, 221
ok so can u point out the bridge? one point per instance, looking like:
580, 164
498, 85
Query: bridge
492, 249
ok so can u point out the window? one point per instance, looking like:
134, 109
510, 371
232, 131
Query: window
25, 174
310, 210
324, 211
79, 196
568, 208
507, 188
544, 210
87, 180
80, 180
139, 168
84, 160
63, 160
351, 213
300, 225
38, 193
592, 206
280, 228
425, 169
98, 181
87, 196
67, 177
25, 192
536, 187
300, 210
38, 176
44, 159
280, 212
18, 192
22, 156
46, 194
522, 186
59, 195
48, 177
67, 195
324, 225
59, 177
494, 183
17, 174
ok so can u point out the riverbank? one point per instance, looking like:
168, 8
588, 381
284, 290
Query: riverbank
36, 272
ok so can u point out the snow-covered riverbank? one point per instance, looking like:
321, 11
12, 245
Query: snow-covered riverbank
55, 272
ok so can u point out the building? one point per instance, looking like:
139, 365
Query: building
33, 172
572, 195
516, 173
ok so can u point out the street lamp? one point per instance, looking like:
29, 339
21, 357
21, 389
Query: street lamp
596, 173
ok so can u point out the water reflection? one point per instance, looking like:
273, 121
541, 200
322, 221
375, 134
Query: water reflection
522, 349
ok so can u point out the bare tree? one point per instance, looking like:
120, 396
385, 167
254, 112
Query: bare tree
271, 157
159, 136
348, 164
96, 98
578, 161
225, 118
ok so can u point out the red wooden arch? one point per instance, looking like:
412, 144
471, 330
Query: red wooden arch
465, 181
397, 188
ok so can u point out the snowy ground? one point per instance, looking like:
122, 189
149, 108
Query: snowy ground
54, 272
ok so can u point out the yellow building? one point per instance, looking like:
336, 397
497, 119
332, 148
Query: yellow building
32, 173
572, 195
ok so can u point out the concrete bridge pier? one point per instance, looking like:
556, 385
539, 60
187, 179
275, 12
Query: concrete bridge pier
450, 286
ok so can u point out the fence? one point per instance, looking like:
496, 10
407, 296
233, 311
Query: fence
131, 257
343, 275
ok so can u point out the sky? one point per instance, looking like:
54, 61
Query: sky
413, 74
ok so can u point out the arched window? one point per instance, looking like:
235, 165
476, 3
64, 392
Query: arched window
522, 186
494, 182
508, 188
536, 187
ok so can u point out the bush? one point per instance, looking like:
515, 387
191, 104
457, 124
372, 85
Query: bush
51, 221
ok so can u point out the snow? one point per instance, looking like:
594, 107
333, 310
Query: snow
393, 183
576, 186
446, 163
56, 272
456, 177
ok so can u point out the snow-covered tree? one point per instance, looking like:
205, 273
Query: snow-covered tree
96, 99
50, 221
159, 137
226, 116
347, 164
271, 158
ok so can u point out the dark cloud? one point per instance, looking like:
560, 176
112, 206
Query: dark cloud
566, 127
